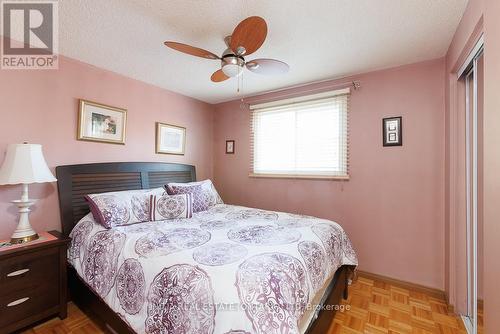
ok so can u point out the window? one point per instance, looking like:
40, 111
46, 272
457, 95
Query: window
301, 137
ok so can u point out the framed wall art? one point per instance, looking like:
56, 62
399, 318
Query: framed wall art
229, 146
170, 139
101, 123
392, 131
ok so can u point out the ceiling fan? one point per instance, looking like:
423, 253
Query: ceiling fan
247, 37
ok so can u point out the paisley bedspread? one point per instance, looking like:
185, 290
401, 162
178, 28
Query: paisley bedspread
230, 269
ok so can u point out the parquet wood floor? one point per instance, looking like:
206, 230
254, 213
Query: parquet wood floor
378, 307
375, 307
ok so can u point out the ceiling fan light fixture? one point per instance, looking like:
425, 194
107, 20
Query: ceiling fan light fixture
232, 66
232, 70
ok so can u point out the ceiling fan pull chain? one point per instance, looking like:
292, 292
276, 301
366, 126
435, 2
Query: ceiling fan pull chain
243, 106
239, 77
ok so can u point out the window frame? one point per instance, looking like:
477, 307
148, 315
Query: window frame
284, 102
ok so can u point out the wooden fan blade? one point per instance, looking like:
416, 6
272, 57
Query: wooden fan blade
249, 34
267, 66
218, 76
191, 50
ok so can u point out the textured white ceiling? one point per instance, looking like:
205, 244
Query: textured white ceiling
319, 39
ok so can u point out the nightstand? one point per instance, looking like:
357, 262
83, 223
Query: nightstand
33, 283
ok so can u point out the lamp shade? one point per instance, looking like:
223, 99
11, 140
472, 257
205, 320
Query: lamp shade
25, 164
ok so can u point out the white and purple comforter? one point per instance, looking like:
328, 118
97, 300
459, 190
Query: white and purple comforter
230, 269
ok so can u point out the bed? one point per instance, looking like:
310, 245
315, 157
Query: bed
230, 269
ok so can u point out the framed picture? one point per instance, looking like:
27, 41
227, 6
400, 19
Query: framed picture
392, 131
170, 139
101, 123
229, 146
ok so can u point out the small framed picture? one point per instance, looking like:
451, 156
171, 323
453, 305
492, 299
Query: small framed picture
229, 146
170, 139
392, 131
101, 123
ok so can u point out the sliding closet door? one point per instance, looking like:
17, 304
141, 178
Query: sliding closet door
480, 192
473, 77
471, 195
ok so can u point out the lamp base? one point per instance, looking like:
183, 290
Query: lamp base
24, 232
22, 240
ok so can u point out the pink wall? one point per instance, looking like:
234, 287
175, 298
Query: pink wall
42, 106
393, 205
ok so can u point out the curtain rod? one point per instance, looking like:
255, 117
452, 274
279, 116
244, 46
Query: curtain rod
354, 84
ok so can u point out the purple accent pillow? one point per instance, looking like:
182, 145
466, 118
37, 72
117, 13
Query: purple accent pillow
201, 202
203, 192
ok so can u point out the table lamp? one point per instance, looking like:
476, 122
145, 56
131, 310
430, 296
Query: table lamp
24, 164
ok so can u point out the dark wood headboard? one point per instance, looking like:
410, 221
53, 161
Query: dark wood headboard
76, 181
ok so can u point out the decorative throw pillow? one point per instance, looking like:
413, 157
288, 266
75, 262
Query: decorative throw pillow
171, 206
204, 193
122, 207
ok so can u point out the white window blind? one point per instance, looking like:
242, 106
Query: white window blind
301, 137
